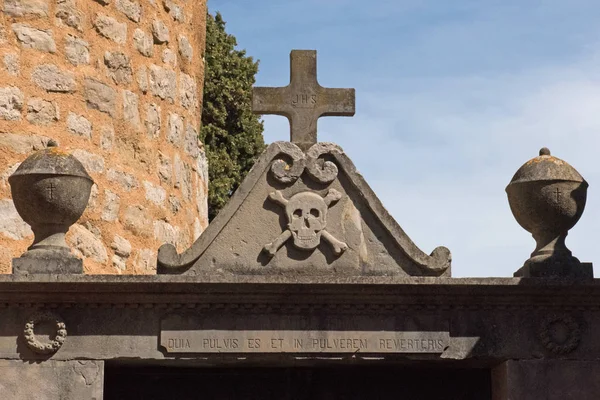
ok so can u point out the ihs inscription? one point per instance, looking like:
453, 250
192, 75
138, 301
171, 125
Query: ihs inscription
304, 100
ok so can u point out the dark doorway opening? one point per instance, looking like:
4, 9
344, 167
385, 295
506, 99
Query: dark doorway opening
315, 383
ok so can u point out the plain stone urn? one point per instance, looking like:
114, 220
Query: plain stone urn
547, 197
50, 190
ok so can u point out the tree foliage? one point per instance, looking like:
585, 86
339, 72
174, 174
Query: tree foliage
231, 133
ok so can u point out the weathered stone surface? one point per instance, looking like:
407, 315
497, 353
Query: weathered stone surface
169, 57
11, 103
67, 12
121, 246
112, 203
87, 243
107, 137
191, 142
201, 166
131, 9
175, 11
21, 8
119, 67
12, 64
183, 177
137, 221
79, 125
23, 144
77, 50
145, 261
175, 129
111, 29
131, 113
165, 232
160, 32
42, 112
153, 120
165, 171
100, 96
94, 193
33, 38
185, 48
155, 194
187, 91
143, 43
92, 163
197, 229
125, 180
6, 173
141, 77
53, 79
11, 224
201, 197
163, 83
175, 204
51, 380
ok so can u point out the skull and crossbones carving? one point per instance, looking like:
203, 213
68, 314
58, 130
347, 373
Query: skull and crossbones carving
307, 218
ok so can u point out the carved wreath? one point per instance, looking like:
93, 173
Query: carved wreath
574, 334
45, 348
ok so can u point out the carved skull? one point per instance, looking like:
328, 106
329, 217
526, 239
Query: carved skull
307, 217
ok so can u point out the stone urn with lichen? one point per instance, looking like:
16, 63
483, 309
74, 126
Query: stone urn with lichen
50, 190
547, 197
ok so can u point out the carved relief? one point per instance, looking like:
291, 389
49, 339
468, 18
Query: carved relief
40, 347
560, 334
307, 218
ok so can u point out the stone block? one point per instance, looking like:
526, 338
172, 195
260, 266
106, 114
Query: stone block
163, 83
100, 96
92, 163
11, 103
53, 79
185, 48
88, 244
165, 232
137, 221
143, 43
111, 29
32, 38
155, 194
77, 50
42, 112
187, 91
119, 67
51, 380
160, 32
67, 12
145, 261
12, 64
79, 125
153, 120
107, 137
141, 77
131, 9
23, 144
112, 202
165, 171
123, 179
175, 11
175, 129
12, 225
131, 112
191, 145
22, 8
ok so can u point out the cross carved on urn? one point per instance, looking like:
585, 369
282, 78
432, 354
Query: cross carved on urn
303, 101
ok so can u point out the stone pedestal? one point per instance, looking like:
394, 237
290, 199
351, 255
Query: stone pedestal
52, 380
547, 380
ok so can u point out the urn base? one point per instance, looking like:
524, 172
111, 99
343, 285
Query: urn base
47, 261
568, 267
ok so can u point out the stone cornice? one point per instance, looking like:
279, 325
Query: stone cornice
352, 294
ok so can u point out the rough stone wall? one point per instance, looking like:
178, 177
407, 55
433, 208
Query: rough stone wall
118, 83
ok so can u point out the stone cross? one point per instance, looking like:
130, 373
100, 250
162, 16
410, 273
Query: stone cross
303, 101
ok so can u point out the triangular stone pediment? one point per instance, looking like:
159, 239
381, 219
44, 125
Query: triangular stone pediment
304, 213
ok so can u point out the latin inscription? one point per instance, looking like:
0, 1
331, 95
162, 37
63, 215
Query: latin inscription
217, 341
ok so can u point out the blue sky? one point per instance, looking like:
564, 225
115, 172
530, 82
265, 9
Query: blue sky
452, 97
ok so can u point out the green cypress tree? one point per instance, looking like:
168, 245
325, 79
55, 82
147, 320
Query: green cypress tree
231, 133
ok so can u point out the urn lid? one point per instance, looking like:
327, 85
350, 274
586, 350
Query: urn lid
51, 161
546, 167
